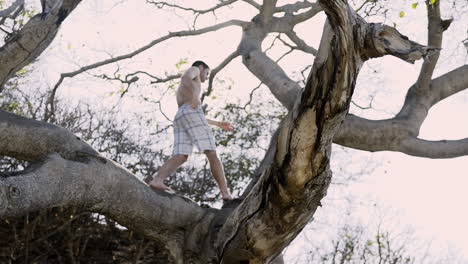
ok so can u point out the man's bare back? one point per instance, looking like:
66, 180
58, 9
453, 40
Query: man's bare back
190, 86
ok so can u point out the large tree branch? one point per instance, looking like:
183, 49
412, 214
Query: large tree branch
31, 140
412, 109
179, 225
266, 12
285, 90
301, 43
25, 46
436, 28
399, 134
77, 175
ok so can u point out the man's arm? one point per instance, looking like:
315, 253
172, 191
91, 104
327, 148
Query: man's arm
224, 125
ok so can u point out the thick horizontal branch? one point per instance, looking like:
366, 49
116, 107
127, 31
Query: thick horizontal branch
434, 149
111, 190
31, 140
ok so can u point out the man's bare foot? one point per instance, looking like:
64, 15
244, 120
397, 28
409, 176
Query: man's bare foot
160, 186
227, 197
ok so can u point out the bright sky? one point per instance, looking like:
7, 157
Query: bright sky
429, 195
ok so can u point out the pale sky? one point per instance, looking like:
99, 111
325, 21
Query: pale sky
429, 195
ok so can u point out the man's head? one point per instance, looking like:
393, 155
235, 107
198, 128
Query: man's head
204, 70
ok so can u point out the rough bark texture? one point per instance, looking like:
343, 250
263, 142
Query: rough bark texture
33, 38
295, 174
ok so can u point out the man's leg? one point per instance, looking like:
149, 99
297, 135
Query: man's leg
167, 169
218, 173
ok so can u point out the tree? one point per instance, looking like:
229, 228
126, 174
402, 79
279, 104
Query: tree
294, 176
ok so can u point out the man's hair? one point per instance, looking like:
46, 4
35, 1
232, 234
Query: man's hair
198, 63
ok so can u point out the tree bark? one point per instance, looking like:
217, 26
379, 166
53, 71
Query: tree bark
292, 180
26, 45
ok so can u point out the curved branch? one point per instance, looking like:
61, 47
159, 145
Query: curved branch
199, 11
266, 11
215, 71
435, 32
399, 134
25, 46
285, 90
299, 18
50, 102
291, 8
7, 12
253, 3
301, 43
434, 149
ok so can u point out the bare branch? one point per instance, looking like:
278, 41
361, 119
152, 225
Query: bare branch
163, 80
434, 149
285, 90
301, 43
399, 133
299, 18
291, 8
253, 3
50, 109
436, 27
385, 40
215, 71
30, 140
6, 13
160, 4
266, 12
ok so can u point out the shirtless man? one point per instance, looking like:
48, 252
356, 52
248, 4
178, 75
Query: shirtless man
191, 128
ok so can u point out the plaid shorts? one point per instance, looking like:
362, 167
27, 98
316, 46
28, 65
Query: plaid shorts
191, 128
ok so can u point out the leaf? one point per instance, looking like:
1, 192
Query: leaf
402, 14
414, 5
431, 2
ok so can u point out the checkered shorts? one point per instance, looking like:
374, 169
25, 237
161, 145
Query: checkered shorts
191, 128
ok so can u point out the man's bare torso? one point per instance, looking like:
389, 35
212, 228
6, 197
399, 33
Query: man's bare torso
189, 91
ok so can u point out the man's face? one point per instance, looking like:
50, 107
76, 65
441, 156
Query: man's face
204, 73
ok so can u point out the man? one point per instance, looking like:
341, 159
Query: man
191, 128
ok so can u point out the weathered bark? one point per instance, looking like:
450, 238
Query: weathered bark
32, 39
289, 190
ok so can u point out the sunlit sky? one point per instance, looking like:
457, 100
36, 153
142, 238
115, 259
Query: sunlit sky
428, 195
